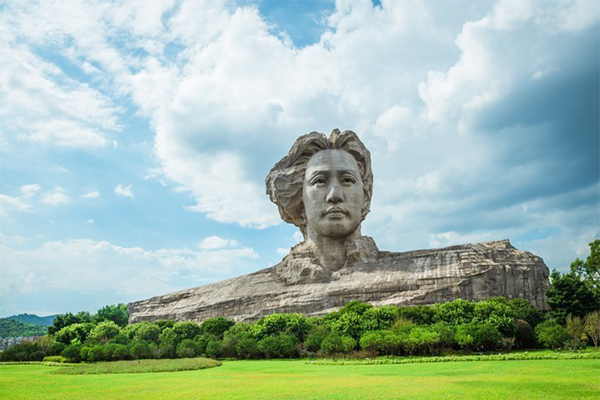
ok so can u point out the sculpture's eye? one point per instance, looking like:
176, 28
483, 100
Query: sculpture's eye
348, 179
319, 181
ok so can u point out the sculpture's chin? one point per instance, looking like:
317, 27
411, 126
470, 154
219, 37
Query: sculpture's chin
337, 229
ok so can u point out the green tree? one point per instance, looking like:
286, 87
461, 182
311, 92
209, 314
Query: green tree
186, 349
140, 349
72, 353
104, 331
421, 315
455, 312
186, 330
478, 335
313, 340
377, 318
568, 294
294, 324
281, 346
247, 348
216, 326
551, 334
524, 334
589, 270
576, 328
355, 307
61, 321
523, 309
335, 343
74, 332
350, 324
592, 327
116, 313
421, 340
214, 348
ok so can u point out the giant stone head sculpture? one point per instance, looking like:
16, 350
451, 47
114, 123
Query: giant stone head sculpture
324, 187
286, 181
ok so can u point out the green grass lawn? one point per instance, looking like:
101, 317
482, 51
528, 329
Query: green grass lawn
282, 380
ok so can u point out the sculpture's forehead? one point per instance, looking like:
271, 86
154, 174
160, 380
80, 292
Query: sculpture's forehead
332, 160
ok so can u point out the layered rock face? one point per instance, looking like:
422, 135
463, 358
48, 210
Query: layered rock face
472, 272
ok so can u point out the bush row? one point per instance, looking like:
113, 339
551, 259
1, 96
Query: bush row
459, 325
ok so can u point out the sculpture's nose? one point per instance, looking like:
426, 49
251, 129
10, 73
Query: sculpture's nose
334, 193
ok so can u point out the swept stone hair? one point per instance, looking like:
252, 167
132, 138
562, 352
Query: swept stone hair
285, 180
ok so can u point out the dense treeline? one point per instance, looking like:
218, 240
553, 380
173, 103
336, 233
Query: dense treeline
358, 329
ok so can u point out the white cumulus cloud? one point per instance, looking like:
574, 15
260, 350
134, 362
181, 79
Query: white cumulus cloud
91, 195
94, 268
124, 191
56, 198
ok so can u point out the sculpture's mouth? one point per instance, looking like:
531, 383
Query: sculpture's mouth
336, 211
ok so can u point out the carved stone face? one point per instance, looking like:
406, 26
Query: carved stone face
333, 194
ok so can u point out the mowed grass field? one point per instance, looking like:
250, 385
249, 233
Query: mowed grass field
281, 380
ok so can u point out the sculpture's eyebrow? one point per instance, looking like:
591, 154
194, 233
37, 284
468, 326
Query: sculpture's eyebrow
324, 170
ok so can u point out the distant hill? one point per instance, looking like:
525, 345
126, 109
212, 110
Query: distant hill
11, 328
32, 319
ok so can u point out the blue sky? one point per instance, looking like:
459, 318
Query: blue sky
135, 136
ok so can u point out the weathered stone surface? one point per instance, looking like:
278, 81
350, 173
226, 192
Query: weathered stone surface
324, 187
473, 271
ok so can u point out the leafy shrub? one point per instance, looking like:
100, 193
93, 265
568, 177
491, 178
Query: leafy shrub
186, 330
551, 334
37, 355
216, 326
147, 331
168, 336
335, 343
115, 313
214, 348
69, 334
421, 315
56, 348
454, 312
315, 338
93, 353
164, 324
280, 346
140, 349
446, 333
355, 307
166, 350
186, 349
524, 334
350, 324
247, 348
72, 353
382, 342
592, 327
274, 324
24, 351
576, 328
104, 331
574, 345
421, 340
523, 309
116, 351
403, 326
477, 335
56, 359
377, 318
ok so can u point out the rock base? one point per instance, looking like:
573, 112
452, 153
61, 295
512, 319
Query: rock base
472, 272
